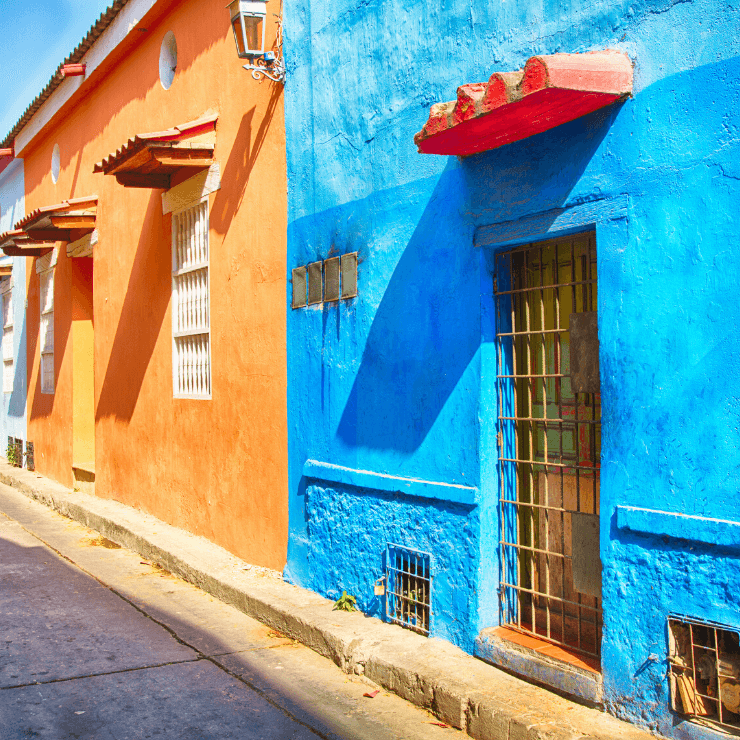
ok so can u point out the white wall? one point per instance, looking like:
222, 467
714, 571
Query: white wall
12, 209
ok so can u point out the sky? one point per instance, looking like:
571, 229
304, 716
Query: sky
38, 35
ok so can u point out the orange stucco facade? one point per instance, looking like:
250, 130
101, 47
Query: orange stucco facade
216, 467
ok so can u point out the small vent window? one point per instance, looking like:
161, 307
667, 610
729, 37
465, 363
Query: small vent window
191, 327
408, 576
315, 290
15, 452
331, 279
705, 672
326, 282
349, 275
299, 287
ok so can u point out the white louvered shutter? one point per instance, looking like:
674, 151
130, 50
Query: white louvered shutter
46, 331
191, 345
8, 360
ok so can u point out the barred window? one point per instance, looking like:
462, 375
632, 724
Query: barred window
191, 339
46, 330
8, 362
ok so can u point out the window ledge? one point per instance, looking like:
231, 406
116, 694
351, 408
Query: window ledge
540, 661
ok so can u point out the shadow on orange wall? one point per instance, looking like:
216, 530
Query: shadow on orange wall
144, 308
76, 176
243, 156
149, 288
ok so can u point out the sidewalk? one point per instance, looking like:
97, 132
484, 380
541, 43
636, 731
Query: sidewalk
461, 690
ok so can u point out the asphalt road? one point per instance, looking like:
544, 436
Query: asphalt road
98, 644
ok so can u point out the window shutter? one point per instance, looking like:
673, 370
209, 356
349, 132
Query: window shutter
8, 360
191, 346
46, 331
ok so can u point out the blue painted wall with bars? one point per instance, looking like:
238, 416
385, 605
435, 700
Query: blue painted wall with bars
396, 388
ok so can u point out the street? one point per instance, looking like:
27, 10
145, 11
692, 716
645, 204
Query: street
100, 644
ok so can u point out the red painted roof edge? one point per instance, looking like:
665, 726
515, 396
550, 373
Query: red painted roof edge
607, 71
73, 70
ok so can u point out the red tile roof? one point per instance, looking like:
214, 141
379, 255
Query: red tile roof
76, 206
169, 138
16, 243
549, 91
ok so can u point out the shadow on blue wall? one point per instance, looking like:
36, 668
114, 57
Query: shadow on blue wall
426, 329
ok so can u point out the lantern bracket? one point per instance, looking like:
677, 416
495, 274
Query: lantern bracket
248, 23
270, 64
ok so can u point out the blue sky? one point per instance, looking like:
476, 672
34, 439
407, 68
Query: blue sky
37, 36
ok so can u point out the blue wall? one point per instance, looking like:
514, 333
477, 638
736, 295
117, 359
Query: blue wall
12, 209
399, 381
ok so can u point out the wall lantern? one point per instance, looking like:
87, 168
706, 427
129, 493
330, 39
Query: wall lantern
248, 21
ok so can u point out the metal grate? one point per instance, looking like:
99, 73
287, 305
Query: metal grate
349, 275
15, 452
704, 672
324, 279
30, 460
409, 588
331, 279
299, 287
191, 321
549, 441
315, 287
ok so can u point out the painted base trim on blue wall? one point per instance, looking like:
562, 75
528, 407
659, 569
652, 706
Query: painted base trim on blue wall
719, 532
466, 495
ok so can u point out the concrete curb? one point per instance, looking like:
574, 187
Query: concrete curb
461, 690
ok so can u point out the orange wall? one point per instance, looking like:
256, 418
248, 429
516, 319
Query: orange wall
216, 467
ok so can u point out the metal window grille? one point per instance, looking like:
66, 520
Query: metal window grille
704, 674
30, 460
549, 443
409, 588
46, 330
15, 451
8, 360
191, 328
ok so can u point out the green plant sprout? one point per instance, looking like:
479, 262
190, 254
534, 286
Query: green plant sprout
346, 603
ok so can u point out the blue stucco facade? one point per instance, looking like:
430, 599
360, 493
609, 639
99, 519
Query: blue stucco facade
12, 209
399, 383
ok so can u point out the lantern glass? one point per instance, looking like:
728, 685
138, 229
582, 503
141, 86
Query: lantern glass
248, 23
253, 32
236, 24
